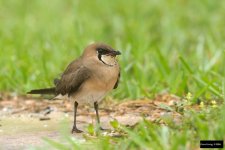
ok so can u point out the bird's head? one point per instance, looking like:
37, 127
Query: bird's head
102, 52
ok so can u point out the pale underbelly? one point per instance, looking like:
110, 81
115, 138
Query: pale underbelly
89, 97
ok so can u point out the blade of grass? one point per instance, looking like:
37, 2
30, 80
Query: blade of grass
211, 88
200, 92
137, 139
199, 80
163, 61
186, 65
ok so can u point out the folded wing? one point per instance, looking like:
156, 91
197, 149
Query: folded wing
72, 79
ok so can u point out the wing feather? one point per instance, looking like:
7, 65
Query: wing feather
117, 82
72, 78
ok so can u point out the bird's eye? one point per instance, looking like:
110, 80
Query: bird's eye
100, 50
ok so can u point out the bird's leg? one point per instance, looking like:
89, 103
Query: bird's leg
97, 116
74, 123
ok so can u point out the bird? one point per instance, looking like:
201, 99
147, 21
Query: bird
87, 79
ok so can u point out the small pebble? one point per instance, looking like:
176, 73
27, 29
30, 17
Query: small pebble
44, 118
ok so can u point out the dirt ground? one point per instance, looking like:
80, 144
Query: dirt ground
25, 121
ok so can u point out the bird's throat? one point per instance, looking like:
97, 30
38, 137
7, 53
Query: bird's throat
107, 60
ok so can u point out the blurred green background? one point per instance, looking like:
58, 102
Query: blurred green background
175, 45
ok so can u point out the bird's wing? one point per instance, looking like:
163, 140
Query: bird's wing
117, 82
72, 67
72, 78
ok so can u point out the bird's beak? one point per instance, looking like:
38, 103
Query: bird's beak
114, 53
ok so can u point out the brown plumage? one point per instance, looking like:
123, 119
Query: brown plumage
88, 78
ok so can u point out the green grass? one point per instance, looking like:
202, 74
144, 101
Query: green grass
39, 38
175, 46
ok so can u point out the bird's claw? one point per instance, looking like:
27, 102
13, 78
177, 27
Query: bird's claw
75, 130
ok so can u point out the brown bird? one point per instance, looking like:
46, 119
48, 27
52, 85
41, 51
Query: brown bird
88, 78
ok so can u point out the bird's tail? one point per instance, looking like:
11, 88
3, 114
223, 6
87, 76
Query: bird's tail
43, 91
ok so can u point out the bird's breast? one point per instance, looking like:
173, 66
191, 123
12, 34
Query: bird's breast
97, 86
108, 76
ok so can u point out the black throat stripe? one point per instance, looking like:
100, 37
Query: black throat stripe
100, 58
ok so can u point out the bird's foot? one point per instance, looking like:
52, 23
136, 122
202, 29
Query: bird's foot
75, 130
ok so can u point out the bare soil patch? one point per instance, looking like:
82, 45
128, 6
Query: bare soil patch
24, 121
